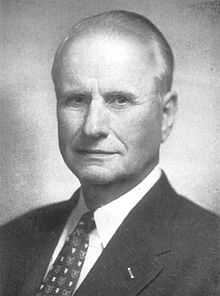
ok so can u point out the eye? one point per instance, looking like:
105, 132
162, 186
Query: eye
121, 100
118, 100
76, 100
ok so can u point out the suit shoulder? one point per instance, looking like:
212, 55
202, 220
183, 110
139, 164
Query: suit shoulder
196, 226
190, 212
40, 219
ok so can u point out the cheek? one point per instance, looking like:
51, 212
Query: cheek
68, 125
143, 132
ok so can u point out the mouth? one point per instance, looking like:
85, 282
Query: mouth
95, 152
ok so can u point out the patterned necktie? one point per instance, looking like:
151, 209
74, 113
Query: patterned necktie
61, 280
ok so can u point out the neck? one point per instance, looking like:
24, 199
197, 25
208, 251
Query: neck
97, 195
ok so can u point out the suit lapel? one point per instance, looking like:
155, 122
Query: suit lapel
48, 226
137, 253
39, 258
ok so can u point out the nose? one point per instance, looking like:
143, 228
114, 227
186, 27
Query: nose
96, 120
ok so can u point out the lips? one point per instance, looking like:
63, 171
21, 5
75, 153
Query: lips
95, 152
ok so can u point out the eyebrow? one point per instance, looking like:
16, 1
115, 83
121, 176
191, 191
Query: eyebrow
76, 92
120, 93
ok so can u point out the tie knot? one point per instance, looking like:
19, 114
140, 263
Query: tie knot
87, 222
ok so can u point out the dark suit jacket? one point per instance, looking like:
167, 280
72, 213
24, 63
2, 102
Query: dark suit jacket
170, 244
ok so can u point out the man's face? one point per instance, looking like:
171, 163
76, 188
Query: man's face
109, 122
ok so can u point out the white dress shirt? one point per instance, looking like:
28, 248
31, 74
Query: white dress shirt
107, 219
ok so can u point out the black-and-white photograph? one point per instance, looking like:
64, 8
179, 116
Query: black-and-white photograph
109, 141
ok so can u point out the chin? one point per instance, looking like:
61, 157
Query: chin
95, 175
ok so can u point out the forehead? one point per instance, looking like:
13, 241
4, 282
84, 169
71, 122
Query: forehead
105, 59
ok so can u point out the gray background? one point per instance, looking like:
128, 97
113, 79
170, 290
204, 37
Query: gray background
31, 169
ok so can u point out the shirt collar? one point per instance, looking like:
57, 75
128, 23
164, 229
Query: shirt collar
76, 214
110, 216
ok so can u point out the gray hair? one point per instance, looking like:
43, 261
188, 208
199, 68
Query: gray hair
128, 23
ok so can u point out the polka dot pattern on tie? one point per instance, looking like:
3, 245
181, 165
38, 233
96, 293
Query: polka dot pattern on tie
63, 276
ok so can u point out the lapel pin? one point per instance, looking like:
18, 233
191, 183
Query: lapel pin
130, 272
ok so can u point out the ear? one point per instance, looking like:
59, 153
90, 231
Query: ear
169, 105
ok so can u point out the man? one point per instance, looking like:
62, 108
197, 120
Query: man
115, 106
